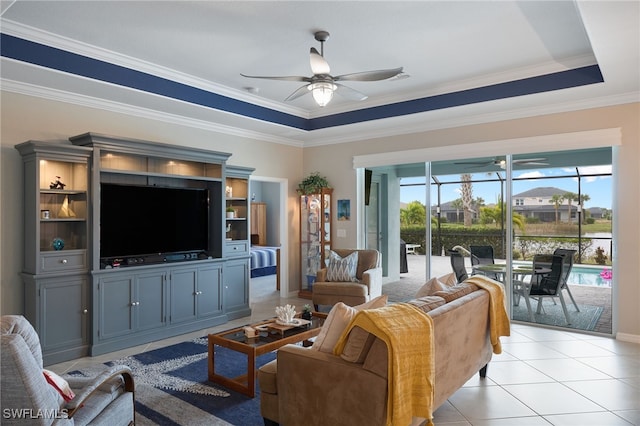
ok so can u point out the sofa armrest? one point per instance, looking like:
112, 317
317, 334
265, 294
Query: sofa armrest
373, 279
310, 381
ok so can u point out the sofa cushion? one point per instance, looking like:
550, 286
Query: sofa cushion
427, 303
456, 291
358, 344
430, 287
338, 319
448, 279
342, 269
267, 377
376, 360
367, 259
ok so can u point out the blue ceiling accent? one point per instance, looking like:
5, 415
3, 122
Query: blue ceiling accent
543, 83
61, 60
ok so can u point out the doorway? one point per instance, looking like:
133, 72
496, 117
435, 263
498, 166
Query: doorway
271, 193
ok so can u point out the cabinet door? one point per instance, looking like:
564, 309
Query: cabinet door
63, 309
115, 311
236, 285
182, 288
208, 291
150, 302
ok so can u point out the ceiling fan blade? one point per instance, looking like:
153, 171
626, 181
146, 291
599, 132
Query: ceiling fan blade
476, 163
531, 163
529, 160
369, 75
284, 78
349, 93
299, 92
318, 64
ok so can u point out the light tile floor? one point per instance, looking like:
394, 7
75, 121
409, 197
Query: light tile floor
542, 377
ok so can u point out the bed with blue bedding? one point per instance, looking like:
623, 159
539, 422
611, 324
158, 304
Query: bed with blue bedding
264, 260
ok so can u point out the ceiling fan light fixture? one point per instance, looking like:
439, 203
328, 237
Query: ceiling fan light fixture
322, 92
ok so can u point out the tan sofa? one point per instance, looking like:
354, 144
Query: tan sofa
310, 387
367, 286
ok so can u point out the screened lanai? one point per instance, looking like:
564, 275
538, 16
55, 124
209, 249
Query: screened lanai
556, 200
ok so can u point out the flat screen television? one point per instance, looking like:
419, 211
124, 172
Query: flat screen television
143, 220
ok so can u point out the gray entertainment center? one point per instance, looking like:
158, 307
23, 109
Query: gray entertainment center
129, 241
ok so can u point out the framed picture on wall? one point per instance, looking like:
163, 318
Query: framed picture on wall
344, 209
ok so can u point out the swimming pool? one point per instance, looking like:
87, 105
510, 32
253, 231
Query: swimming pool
585, 275
589, 275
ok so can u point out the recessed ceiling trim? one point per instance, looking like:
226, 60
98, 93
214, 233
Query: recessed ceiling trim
61, 60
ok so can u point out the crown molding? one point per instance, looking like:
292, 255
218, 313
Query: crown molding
121, 108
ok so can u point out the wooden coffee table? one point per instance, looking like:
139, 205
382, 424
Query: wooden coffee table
267, 341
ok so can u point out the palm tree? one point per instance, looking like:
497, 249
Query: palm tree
457, 204
493, 214
466, 190
556, 200
570, 197
414, 214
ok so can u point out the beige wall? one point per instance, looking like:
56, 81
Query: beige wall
335, 162
25, 118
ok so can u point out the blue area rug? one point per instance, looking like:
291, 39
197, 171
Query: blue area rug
172, 386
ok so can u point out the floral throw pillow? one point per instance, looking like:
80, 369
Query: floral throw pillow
342, 268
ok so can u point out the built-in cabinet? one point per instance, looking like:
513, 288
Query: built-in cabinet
315, 236
81, 303
56, 246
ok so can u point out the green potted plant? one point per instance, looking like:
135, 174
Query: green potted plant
230, 212
312, 184
306, 312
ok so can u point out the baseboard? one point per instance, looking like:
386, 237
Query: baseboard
626, 337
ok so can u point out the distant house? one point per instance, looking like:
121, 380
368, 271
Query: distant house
453, 214
596, 212
536, 203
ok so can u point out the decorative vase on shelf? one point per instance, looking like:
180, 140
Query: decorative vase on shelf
57, 243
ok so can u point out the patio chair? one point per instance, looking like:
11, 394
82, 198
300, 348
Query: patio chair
482, 255
457, 264
568, 264
547, 285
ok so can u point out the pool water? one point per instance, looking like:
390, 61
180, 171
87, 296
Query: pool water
588, 275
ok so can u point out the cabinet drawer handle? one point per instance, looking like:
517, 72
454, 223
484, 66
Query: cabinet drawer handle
63, 261
85, 311
135, 303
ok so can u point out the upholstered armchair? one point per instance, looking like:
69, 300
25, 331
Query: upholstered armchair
353, 284
30, 396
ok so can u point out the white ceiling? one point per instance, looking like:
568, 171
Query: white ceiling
443, 46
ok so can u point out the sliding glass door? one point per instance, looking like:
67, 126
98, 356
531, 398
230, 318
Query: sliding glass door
521, 206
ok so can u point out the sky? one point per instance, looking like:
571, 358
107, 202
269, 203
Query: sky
598, 188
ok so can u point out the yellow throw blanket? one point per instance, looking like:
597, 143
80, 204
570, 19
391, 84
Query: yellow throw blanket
499, 324
408, 333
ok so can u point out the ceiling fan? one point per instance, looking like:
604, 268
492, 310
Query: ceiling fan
503, 163
322, 84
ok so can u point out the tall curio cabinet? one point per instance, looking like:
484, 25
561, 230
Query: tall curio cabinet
56, 247
315, 236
